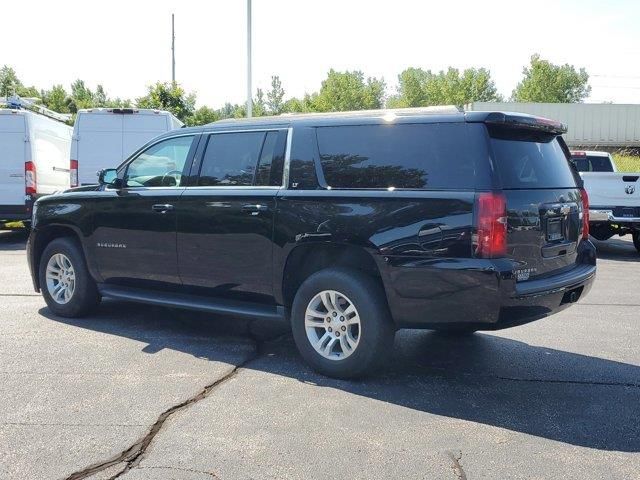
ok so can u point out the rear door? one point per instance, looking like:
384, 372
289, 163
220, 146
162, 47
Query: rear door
225, 220
12, 158
544, 205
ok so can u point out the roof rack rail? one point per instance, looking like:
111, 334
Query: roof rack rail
15, 102
385, 112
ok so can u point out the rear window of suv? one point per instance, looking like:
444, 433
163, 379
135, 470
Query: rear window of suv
438, 156
528, 159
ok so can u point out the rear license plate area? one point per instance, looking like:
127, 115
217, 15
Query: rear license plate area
555, 230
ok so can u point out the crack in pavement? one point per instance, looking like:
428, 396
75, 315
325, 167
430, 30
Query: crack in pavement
180, 469
132, 456
571, 382
457, 466
442, 373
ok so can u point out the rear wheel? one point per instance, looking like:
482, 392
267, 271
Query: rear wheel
341, 323
66, 284
636, 240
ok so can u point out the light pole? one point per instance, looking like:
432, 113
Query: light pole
173, 50
249, 100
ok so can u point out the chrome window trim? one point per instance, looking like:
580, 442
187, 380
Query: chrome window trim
287, 159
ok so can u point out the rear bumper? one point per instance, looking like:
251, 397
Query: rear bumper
12, 213
607, 215
481, 294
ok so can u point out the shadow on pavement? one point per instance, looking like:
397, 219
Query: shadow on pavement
617, 248
567, 397
13, 240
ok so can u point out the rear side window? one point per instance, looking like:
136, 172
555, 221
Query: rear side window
592, 164
437, 156
243, 159
527, 159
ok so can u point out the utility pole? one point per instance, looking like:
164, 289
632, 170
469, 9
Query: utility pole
173, 50
249, 99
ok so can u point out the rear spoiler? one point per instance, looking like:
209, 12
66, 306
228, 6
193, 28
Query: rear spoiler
517, 121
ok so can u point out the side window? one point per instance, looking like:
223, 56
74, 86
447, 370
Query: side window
271, 162
161, 165
230, 159
412, 156
243, 159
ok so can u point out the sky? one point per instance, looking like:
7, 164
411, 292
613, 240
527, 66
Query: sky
126, 45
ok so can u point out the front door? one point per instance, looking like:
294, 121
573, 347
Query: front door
225, 222
135, 236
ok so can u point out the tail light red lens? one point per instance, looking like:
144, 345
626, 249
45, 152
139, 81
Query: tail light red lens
585, 214
73, 173
29, 178
491, 225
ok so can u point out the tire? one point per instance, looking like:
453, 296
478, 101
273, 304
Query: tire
366, 334
636, 240
82, 291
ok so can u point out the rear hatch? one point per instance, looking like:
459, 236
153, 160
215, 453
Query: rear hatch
544, 203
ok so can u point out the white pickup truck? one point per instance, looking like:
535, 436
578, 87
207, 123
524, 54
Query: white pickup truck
614, 197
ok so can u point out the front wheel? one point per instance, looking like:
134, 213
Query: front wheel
341, 323
636, 240
65, 281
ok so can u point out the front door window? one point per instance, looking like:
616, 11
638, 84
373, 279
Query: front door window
161, 165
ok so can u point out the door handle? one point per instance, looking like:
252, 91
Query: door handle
162, 208
254, 209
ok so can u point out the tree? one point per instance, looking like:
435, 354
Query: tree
56, 99
81, 97
545, 82
419, 88
9, 82
100, 98
203, 115
171, 97
300, 105
275, 96
342, 91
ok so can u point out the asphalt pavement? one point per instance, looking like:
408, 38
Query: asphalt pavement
140, 392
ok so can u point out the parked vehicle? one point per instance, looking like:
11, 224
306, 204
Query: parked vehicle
348, 225
34, 153
614, 197
103, 137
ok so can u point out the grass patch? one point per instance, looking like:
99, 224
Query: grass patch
626, 162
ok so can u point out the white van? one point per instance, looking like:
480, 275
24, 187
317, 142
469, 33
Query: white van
34, 160
103, 137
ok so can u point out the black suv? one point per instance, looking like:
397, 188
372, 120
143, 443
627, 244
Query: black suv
349, 226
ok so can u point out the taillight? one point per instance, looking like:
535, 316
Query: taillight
492, 225
585, 214
29, 178
73, 173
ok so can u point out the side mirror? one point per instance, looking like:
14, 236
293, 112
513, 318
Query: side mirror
109, 177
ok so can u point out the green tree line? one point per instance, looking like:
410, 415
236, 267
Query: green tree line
541, 81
